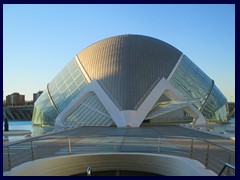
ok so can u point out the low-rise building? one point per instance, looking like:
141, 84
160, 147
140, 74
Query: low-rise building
15, 99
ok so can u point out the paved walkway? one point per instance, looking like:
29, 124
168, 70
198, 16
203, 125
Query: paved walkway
148, 131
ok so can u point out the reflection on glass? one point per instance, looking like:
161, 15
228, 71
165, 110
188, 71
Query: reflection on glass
192, 82
62, 90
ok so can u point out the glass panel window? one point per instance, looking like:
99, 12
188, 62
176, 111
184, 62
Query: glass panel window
44, 112
191, 81
90, 113
63, 89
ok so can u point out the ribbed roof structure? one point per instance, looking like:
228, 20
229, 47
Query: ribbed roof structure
128, 66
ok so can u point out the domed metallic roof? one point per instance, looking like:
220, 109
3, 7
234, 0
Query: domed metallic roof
128, 66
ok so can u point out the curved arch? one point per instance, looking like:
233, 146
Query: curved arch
129, 118
108, 104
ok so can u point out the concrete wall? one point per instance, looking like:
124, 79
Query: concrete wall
166, 165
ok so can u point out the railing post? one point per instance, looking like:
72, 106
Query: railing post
158, 144
229, 161
117, 173
32, 150
206, 160
224, 167
220, 173
9, 160
191, 150
69, 147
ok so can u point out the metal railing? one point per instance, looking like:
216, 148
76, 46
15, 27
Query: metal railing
229, 166
213, 156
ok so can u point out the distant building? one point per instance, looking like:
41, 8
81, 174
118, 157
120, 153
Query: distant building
4, 103
231, 109
27, 103
15, 99
36, 95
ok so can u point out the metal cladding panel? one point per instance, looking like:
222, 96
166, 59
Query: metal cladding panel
127, 66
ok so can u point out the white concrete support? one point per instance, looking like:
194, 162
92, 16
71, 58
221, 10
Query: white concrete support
163, 87
128, 118
175, 67
196, 114
93, 86
85, 74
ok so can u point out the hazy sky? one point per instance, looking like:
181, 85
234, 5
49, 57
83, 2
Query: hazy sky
39, 40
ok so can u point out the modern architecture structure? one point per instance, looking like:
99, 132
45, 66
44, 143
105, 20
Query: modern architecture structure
13, 113
126, 80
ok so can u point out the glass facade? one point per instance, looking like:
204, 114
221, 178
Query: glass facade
216, 107
192, 82
44, 112
66, 85
59, 93
90, 113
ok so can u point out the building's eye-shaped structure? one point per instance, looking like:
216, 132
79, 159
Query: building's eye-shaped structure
127, 80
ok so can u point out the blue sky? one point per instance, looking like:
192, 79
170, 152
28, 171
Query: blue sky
39, 40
